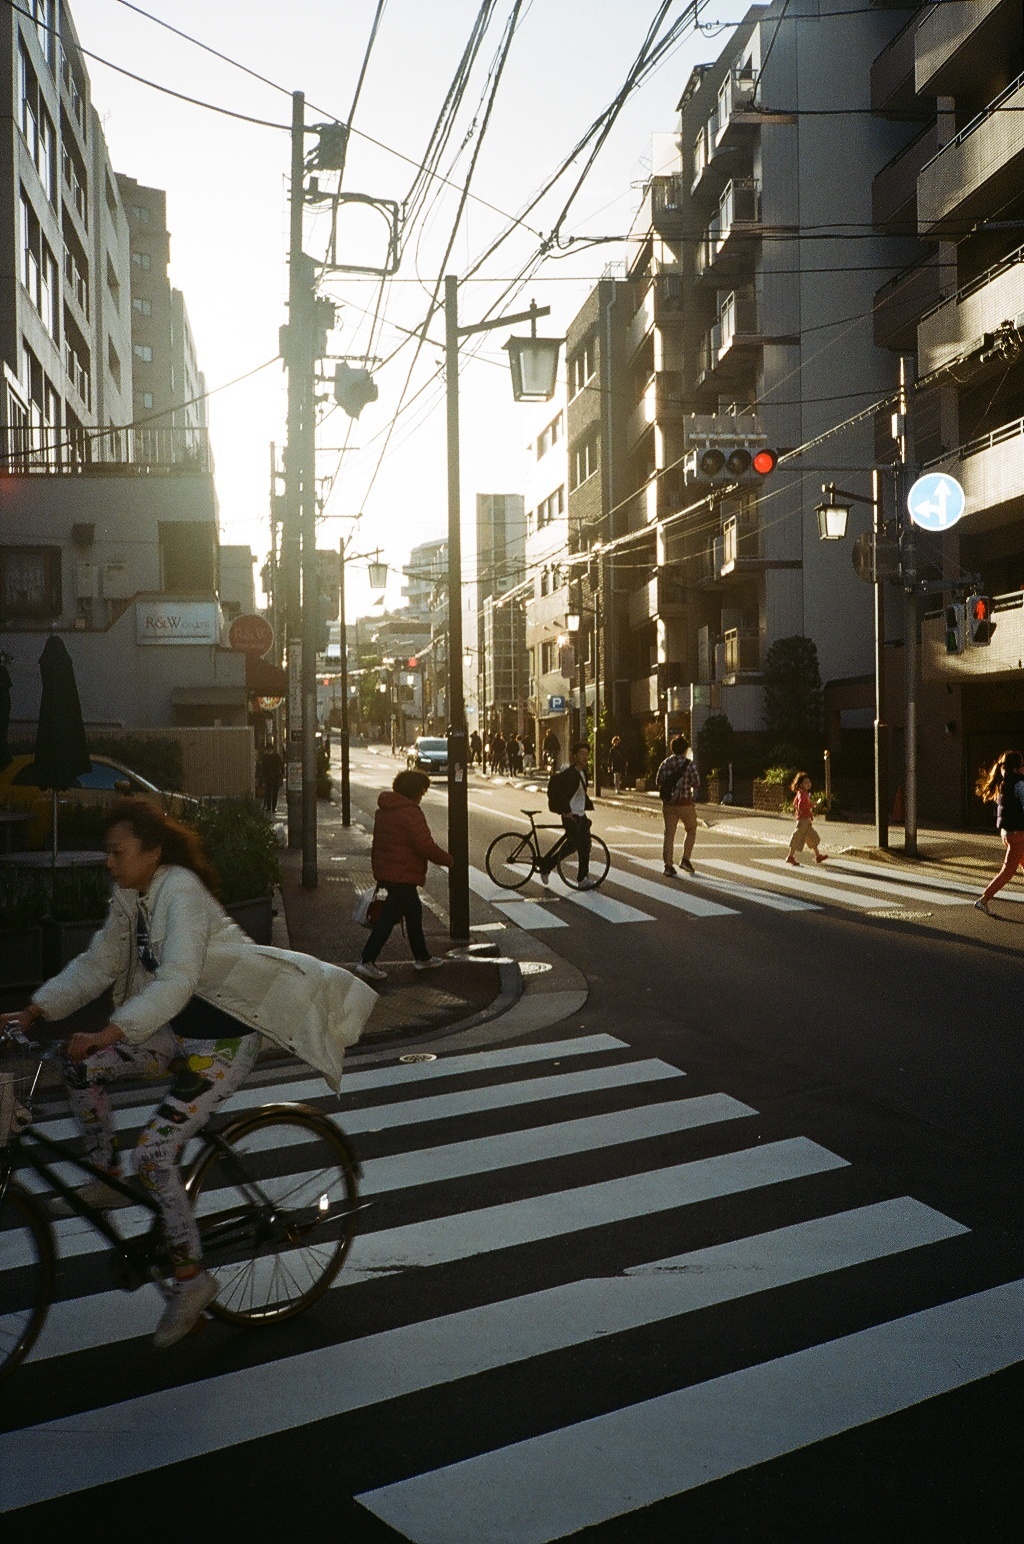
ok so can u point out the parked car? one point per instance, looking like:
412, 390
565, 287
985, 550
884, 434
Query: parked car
104, 780
428, 755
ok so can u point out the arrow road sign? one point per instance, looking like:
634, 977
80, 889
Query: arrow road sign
936, 501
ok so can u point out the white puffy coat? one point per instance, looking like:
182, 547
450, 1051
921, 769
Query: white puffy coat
311, 1008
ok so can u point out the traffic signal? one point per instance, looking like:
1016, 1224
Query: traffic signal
955, 619
730, 459
353, 389
980, 625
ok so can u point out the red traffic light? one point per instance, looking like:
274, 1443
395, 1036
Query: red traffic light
413, 663
765, 461
979, 609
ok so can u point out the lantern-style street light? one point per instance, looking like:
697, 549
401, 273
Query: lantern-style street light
834, 515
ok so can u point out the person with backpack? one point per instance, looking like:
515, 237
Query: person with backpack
678, 783
1003, 786
568, 797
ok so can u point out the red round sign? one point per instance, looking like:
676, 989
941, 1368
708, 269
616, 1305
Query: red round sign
251, 635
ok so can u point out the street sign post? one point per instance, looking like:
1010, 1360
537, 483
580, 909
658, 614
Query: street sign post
936, 501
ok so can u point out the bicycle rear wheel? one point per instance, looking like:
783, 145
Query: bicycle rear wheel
27, 1269
600, 863
510, 860
276, 1197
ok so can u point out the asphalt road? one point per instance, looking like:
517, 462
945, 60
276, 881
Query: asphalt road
736, 1248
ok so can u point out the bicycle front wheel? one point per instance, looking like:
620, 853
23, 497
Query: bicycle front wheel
276, 1197
600, 863
27, 1269
510, 860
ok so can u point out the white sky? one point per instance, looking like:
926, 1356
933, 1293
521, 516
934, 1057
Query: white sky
226, 185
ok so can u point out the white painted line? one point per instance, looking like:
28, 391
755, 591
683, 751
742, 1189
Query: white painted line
668, 893
600, 905
789, 880
742, 892
110, 1317
964, 888
887, 887
483, 885
613, 1465
176, 1424
529, 915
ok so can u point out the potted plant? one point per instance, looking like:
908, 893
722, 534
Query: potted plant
239, 840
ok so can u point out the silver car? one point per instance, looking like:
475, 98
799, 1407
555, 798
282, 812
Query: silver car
428, 755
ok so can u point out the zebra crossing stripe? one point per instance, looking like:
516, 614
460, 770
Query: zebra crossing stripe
681, 900
963, 887
174, 1425
788, 880
600, 905
111, 1317
528, 915
887, 887
741, 892
614, 1464
483, 885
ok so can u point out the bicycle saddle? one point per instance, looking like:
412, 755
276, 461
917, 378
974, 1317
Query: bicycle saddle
531, 812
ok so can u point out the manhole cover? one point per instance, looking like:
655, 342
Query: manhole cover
896, 914
418, 1056
533, 967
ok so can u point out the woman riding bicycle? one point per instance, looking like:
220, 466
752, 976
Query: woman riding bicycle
192, 994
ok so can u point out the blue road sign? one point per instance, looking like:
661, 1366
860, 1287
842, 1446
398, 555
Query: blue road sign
556, 704
936, 501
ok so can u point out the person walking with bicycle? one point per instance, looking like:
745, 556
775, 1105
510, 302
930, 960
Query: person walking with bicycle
568, 797
192, 994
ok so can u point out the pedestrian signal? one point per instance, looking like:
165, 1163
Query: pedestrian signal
980, 625
955, 617
353, 389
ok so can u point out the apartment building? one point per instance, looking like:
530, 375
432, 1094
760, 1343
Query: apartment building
546, 592
502, 664
126, 565
955, 74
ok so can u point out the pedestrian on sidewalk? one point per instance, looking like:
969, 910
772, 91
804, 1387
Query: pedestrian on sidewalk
616, 763
568, 797
498, 753
272, 769
678, 783
551, 749
475, 748
1003, 786
803, 811
402, 844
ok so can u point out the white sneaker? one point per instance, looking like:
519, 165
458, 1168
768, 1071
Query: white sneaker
95, 1193
185, 1303
371, 972
544, 877
432, 964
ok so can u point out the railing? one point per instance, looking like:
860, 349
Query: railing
74, 184
739, 206
77, 372
980, 118
666, 196
735, 93
76, 280
977, 283
104, 452
1010, 431
71, 87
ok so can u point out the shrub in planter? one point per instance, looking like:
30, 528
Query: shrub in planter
239, 840
828, 807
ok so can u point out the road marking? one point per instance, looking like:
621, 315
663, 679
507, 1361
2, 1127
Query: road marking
617, 1463
887, 887
668, 895
600, 905
110, 1317
483, 885
964, 888
529, 915
803, 886
174, 1425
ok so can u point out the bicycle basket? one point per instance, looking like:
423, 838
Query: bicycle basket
18, 1072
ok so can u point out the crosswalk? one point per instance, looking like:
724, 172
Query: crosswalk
571, 1217
725, 887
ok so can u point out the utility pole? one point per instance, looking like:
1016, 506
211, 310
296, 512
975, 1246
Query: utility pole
346, 791
458, 793
881, 726
908, 565
298, 374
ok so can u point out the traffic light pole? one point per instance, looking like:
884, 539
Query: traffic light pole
298, 372
458, 793
346, 789
908, 574
881, 726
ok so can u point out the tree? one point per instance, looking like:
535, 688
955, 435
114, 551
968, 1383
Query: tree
793, 701
715, 742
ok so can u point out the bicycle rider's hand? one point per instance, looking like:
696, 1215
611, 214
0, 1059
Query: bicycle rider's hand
83, 1044
22, 1020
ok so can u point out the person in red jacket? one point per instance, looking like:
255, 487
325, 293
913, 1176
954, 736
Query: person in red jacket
402, 844
803, 812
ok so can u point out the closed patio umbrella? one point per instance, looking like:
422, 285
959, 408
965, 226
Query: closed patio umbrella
61, 754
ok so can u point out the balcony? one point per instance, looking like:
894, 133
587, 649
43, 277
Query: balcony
740, 552
734, 114
667, 205
1000, 659
990, 469
893, 91
949, 47
728, 244
662, 400
703, 152
894, 191
741, 654
139, 452
978, 171
957, 325
643, 695
900, 304
662, 596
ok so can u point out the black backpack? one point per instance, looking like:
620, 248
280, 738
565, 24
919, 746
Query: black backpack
561, 787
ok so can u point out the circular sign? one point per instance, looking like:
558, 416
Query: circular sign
251, 635
936, 501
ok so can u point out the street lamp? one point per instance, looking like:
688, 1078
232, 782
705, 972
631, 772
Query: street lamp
833, 517
530, 384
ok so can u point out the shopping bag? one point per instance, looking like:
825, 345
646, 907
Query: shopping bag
367, 907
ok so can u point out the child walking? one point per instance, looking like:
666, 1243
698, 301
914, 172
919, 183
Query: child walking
803, 810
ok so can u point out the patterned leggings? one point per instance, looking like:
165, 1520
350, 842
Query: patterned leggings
205, 1073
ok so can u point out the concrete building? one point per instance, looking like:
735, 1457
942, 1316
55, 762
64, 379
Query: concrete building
954, 76
546, 596
502, 665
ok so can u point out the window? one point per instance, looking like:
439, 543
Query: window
30, 583
75, 179
581, 367
76, 271
551, 435
142, 306
142, 260
45, 19
113, 362
140, 214
113, 284
144, 352
111, 196
583, 462
148, 400
38, 268
550, 508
